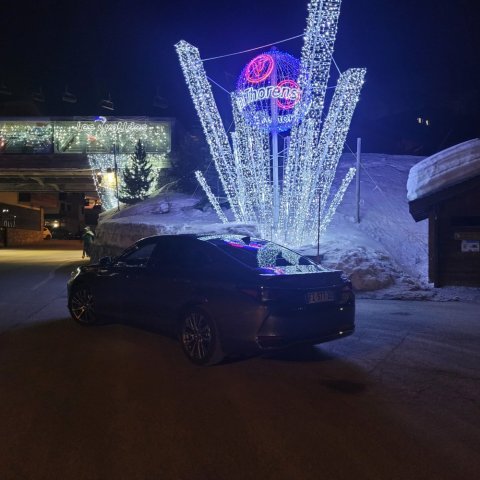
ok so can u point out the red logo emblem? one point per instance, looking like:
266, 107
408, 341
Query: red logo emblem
259, 69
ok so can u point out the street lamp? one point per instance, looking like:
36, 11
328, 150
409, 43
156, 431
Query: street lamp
115, 166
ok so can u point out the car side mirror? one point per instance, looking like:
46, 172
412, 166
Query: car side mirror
105, 261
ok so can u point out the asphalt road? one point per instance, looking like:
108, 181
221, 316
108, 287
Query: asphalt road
397, 400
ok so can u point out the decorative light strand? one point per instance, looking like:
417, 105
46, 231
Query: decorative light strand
103, 172
211, 197
315, 66
213, 128
321, 162
72, 136
313, 151
327, 218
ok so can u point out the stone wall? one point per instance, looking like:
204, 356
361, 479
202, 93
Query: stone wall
17, 237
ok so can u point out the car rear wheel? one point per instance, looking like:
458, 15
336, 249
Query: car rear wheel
199, 338
82, 306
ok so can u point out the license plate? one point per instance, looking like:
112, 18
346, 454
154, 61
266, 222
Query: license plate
318, 297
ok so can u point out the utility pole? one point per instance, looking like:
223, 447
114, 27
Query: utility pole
357, 179
274, 123
319, 213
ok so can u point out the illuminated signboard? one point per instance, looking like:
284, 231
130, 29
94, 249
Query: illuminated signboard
100, 125
267, 90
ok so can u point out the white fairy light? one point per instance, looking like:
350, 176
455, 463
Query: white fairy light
252, 156
103, 171
269, 254
314, 149
319, 172
327, 218
96, 139
211, 197
206, 107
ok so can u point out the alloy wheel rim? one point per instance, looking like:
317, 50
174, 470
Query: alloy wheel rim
197, 336
82, 306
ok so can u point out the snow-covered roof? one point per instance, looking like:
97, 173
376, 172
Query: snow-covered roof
448, 167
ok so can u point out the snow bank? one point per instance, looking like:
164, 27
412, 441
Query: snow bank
165, 214
385, 255
443, 169
387, 237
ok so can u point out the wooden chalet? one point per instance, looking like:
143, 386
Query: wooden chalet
453, 214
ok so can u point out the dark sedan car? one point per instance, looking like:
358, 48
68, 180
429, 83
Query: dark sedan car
221, 295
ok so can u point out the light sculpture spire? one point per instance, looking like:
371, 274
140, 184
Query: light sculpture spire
305, 204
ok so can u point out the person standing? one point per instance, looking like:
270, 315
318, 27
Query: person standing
87, 237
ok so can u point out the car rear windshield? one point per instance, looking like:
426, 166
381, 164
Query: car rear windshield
266, 258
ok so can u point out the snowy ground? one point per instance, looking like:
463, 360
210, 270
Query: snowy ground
386, 254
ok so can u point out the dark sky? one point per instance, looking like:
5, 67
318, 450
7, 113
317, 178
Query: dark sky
421, 56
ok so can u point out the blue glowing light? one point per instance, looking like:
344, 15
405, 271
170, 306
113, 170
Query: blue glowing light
267, 90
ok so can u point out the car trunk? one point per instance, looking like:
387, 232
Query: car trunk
302, 289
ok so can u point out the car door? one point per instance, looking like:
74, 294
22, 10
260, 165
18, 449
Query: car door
128, 277
175, 277
148, 278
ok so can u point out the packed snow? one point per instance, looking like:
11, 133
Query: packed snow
445, 168
385, 254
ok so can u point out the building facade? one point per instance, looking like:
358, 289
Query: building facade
70, 167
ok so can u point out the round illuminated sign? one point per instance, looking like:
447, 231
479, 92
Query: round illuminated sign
267, 90
259, 69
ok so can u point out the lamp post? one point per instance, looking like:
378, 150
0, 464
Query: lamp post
115, 166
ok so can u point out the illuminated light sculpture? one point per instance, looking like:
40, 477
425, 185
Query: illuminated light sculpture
270, 99
211, 197
259, 69
267, 91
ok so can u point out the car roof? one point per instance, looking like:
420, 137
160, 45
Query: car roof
203, 236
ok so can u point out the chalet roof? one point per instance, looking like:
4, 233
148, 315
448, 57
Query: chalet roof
444, 169
449, 173
420, 207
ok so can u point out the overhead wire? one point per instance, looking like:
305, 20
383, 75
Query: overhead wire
252, 49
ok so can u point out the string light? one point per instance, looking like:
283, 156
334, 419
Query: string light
307, 205
73, 136
103, 171
211, 197
211, 121
17, 137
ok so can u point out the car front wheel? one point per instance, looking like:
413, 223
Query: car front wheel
199, 338
82, 307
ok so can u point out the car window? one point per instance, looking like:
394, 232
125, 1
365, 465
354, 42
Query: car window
181, 254
267, 258
137, 256
194, 257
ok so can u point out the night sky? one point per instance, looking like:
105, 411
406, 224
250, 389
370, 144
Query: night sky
421, 57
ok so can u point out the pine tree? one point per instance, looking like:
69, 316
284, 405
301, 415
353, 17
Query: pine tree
137, 178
